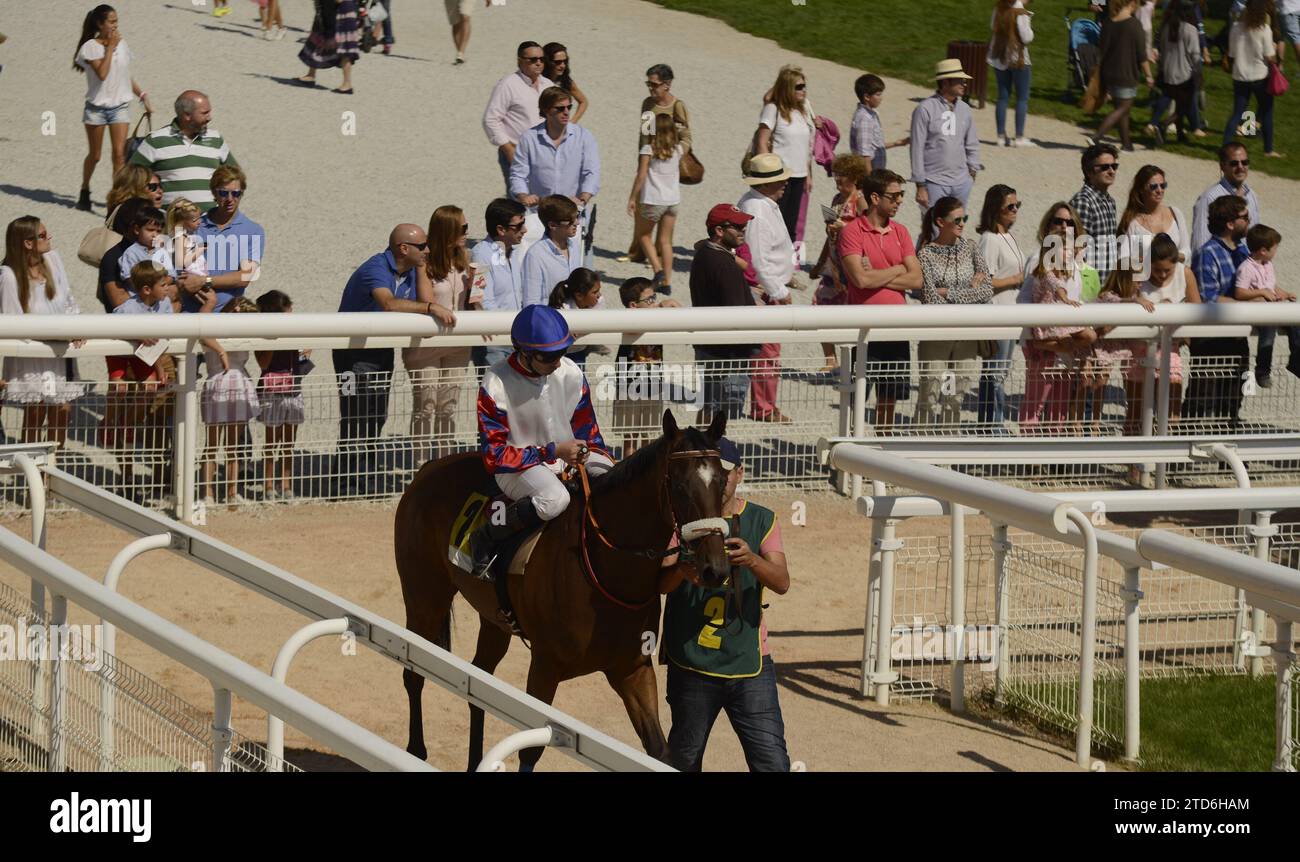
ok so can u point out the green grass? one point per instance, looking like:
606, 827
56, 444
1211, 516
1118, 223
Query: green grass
893, 38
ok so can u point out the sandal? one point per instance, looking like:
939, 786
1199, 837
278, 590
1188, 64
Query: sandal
304, 82
341, 91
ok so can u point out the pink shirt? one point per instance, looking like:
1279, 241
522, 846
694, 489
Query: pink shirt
878, 250
512, 108
1255, 275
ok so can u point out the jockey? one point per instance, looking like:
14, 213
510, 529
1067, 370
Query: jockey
534, 416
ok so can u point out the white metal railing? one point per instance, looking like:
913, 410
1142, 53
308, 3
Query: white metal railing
477, 687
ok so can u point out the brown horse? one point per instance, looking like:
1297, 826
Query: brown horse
576, 626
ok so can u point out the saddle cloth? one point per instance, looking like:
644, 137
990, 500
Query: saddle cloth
478, 507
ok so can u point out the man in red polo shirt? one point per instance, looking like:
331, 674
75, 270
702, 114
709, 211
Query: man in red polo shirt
880, 264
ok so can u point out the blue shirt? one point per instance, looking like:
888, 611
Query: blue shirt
541, 168
545, 266
379, 271
224, 249
135, 306
1215, 267
505, 275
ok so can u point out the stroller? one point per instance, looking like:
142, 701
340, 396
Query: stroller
1084, 52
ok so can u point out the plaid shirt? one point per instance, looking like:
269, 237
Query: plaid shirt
1096, 210
1215, 267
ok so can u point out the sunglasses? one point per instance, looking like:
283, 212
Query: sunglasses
550, 358
532, 59
1160, 186
562, 109
154, 187
516, 226
1012, 207
645, 300
896, 197
654, 85
1062, 222
1238, 163
1109, 166
228, 193
566, 223
464, 230
801, 87
956, 221
420, 245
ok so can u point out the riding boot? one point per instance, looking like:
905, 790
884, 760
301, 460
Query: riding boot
520, 516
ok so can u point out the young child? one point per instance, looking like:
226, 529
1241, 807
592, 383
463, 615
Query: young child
187, 249
1049, 286
639, 407
847, 170
279, 394
1257, 282
580, 290
146, 232
866, 135
657, 191
140, 383
1120, 286
229, 403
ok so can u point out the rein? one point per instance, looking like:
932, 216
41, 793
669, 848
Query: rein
692, 531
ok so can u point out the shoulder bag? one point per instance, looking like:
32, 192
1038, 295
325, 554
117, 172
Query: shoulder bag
690, 168
97, 241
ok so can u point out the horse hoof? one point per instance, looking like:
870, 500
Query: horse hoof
418, 751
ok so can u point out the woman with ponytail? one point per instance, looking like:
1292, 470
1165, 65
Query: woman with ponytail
1009, 57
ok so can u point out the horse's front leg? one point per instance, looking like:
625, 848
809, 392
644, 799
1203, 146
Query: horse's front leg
543, 680
639, 690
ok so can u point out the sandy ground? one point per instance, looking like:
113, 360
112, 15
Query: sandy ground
816, 638
327, 199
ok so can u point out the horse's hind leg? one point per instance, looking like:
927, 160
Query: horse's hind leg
493, 643
428, 615
640, 693
542, 683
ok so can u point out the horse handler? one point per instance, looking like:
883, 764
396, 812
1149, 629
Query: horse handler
718, 660
534, 416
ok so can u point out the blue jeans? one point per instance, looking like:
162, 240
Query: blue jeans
724, 391
1264, 351
751, 705
1008, 78
1241, 93
993, 377
388, 22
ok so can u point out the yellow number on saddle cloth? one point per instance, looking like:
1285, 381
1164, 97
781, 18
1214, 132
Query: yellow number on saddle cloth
715, 609
472, 515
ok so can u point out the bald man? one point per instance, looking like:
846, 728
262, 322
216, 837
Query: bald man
385, 282
186, 152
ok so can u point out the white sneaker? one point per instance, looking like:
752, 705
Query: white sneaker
279, 33
237, 499
270, 496
1007, 141
1025, 142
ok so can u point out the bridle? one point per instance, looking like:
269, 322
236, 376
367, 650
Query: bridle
691, 531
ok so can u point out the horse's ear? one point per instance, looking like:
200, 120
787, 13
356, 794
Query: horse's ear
717, 427
670, 425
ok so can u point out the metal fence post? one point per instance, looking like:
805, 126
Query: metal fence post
183, 362
865, 688
884, 675
1132, 656
57, 634
1283, 665
1003, 601
1087, 638
190, 409
860, 400
221, 732
1263, 532
847, 414
1148, 394
957, 604
1162, 395
280, 670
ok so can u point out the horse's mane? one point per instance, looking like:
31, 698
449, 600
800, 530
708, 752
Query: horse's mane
643, 461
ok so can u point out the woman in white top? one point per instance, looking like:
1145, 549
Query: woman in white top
1009, 57
448, 282
105, 60
1006, 264
1147, 215
786, 127
33, 281
1250, 50
656, 192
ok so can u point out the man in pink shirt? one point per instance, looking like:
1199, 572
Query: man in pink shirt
880, 264
512, 107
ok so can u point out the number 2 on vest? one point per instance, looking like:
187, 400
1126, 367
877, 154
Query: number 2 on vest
715, 609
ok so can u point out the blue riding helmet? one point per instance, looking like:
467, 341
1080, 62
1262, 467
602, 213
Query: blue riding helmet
540, 329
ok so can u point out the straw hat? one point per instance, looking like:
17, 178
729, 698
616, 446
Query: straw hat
950, 68
766, 168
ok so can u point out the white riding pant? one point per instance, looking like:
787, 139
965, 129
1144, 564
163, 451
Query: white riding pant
550, 497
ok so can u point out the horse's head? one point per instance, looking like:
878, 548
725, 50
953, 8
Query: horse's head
695, 482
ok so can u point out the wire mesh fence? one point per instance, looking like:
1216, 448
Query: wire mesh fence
112, 718
344, 437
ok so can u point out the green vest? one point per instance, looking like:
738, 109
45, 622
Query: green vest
701, 631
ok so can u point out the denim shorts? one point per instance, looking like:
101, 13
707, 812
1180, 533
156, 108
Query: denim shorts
1291, 27
1121, 94
100, 116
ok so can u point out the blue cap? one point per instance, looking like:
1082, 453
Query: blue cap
541, 329
729, 453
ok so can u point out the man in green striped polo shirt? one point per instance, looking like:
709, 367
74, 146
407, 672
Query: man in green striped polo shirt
185, 153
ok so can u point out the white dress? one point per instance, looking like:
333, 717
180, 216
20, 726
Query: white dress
39, 381
228, 396
1138, 233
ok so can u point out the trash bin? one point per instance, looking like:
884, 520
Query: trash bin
974, 62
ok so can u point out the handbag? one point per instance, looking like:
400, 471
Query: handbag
1091, 99
133, 143
97, 241
1277, 83
690, 170
277, 382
